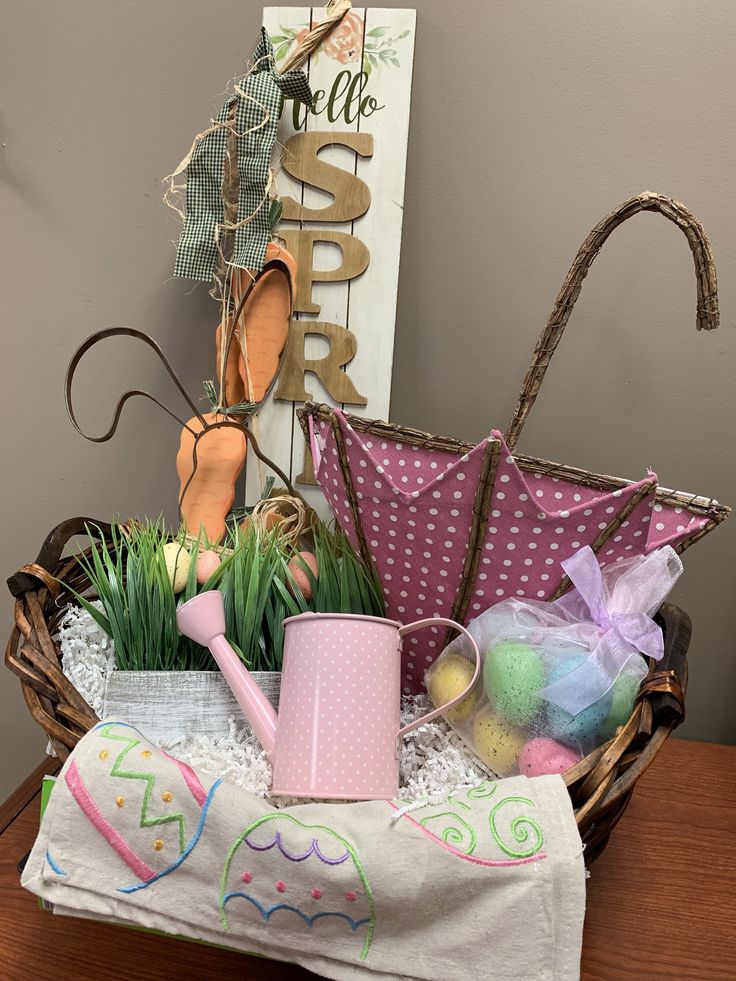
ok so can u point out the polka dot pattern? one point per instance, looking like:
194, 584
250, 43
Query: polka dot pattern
338, 708
416, 510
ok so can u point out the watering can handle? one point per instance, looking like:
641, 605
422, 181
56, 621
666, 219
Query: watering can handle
441, 622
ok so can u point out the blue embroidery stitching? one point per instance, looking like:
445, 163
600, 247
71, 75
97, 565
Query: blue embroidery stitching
187, 850
309, 920
281, 816
52, 863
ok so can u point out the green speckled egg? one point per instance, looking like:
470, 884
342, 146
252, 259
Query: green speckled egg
512, 675
623, 694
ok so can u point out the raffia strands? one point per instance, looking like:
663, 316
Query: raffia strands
335, 10
294, 516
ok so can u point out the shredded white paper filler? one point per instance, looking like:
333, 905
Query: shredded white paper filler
434, 760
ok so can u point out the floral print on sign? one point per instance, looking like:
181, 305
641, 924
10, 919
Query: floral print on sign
347, 43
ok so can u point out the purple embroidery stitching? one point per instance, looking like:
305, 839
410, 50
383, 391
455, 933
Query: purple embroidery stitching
312, 850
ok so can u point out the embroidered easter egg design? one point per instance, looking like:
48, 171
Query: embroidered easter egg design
300, 877
148, 806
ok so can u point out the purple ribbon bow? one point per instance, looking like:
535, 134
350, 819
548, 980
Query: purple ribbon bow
623, 634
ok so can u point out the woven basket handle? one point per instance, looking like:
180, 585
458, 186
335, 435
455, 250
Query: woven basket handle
667, 684
705, 278
41, 571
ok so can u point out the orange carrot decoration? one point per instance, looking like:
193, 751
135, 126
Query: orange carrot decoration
228, 372
263, 325
207, 479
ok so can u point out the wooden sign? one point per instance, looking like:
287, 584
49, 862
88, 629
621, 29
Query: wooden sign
340, 176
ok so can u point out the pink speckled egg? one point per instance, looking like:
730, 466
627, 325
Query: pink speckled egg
301, 579
542, 755
207, 562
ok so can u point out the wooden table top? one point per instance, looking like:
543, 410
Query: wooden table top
661, 898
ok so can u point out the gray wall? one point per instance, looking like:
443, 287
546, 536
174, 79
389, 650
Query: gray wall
529, 122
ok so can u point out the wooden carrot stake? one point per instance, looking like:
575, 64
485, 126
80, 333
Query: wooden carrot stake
209, 462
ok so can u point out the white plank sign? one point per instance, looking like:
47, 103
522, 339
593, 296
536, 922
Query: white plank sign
340, 176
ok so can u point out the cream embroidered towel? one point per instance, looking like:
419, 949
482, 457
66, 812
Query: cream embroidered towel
488, 884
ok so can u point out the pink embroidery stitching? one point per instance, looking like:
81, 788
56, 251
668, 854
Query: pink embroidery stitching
316, 894
281, 886
492, 862
190, 779
246, 877
82, 796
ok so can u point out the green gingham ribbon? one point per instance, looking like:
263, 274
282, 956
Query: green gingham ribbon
259, 96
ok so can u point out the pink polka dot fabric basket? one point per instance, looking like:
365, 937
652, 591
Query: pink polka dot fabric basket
454, 528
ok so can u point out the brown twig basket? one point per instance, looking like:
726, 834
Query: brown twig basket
600, 785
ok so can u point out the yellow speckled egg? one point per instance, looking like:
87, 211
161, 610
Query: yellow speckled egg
497, 742
448, 678
177, 561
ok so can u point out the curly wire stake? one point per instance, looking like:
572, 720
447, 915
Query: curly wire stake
102, 335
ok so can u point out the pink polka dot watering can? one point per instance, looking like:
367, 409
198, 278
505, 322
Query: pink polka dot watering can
337, 730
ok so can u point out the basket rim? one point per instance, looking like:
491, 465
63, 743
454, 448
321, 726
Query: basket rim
695, 503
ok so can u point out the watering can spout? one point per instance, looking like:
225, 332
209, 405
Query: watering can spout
202, 619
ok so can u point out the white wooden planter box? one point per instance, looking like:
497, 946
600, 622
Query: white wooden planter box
166, 705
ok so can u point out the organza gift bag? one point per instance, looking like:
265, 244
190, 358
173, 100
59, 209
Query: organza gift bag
558, 678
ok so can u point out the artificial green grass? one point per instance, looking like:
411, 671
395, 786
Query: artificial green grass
128, 574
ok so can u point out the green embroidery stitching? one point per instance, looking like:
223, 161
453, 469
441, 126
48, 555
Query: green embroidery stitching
309, 827
457, 803
482, 791
150, 780
451, 834
519, 829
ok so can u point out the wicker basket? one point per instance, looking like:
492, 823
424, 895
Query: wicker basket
600, 785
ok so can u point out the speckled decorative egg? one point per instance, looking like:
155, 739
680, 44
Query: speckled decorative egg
585, 727
207, 562
497, 742
177, 560
512, 675
301, 580
541, 755
449, 677
623, 694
